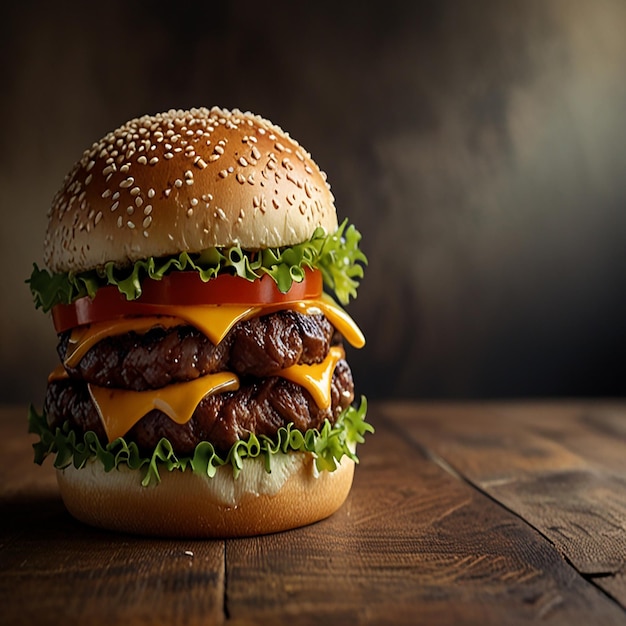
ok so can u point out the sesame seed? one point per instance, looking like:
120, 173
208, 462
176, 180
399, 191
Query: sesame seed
120, 222
116, 195
151, 193
145, 233
220, 213
135, 191
256, 202
138, 201
168, 155
188, 174
189, 212
147, 209
218, 149
194, 201
167, 192
130, 209
243, 162
231, 169
255, 153
98, 217
143, 160
106, 193
130, 224
88, 179
214, 157
200, 162
90, 165
147, 221
127, 182
124, 169
115, 205
154, 160
223, 173
178, 183
307, 169
241, 178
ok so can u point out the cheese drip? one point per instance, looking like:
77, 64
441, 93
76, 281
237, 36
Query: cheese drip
121, 409
316, 378
214, 321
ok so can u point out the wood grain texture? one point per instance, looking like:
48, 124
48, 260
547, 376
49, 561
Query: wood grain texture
559, 467
415, 543
412, 545
54, 570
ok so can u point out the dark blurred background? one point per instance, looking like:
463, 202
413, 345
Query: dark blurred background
480, 147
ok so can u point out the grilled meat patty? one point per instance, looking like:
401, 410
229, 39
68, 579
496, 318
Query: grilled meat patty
257, 347
254, 349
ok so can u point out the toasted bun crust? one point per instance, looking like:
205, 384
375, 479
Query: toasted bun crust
184, 504
186, 181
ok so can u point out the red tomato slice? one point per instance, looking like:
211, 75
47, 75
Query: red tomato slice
182, 289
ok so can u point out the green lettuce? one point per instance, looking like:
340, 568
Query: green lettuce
328, 444
337, 256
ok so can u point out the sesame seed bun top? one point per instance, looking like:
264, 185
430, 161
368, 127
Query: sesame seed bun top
186, 181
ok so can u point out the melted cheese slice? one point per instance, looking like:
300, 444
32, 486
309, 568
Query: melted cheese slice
58, 373
121, 409
214, 321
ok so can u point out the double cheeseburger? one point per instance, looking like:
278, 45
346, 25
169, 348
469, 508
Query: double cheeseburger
203, 388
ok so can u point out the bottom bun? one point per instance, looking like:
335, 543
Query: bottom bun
185, 504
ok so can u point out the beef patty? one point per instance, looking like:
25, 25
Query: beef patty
254, 349
257, 347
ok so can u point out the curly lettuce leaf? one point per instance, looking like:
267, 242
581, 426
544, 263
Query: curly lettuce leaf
337, 256
329, 445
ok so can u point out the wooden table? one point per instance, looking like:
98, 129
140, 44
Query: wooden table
460, 514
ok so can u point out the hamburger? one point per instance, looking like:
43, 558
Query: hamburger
196, 273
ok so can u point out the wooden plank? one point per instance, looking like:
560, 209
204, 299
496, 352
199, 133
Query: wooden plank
559, 467
54, 570
413, 544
